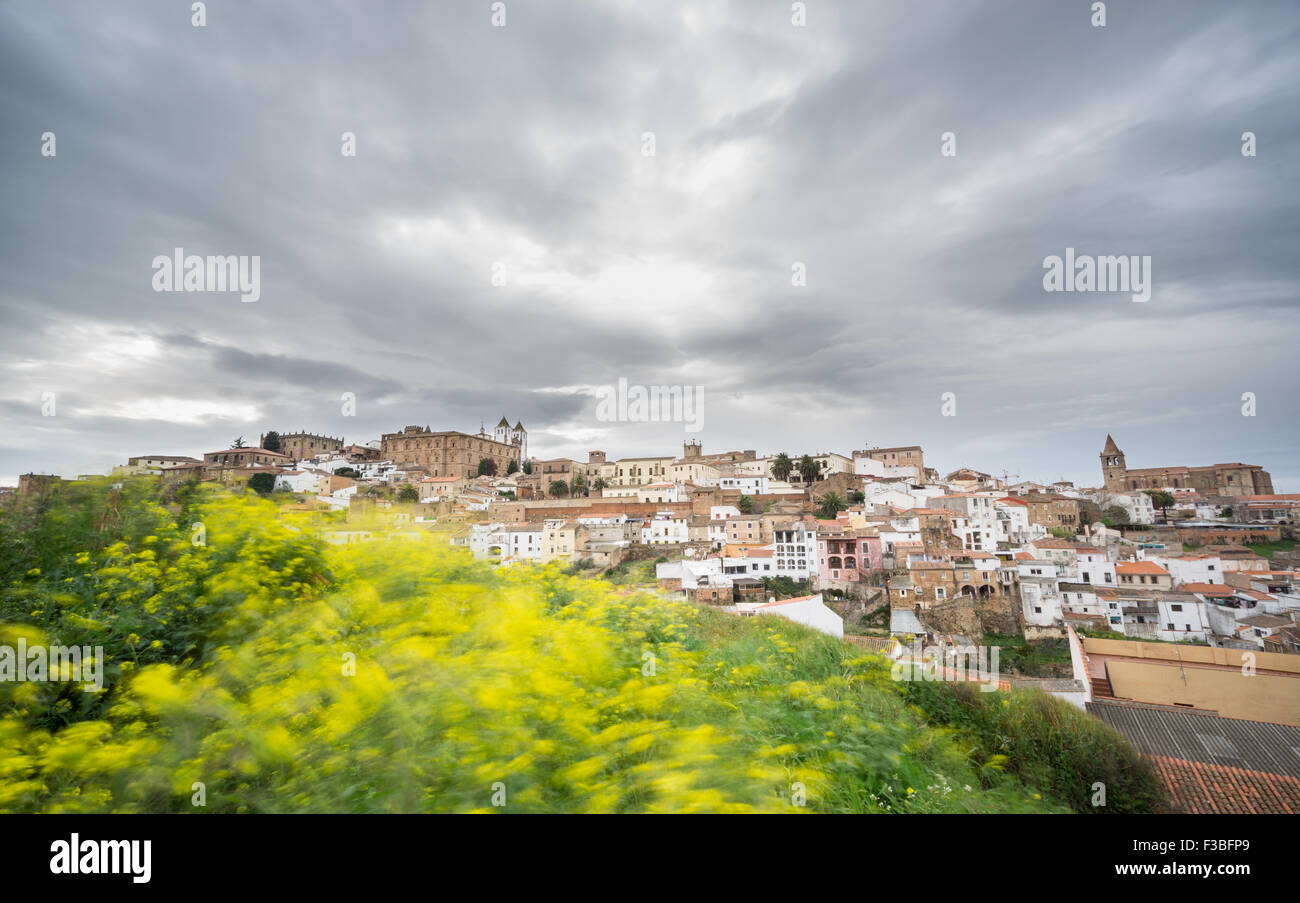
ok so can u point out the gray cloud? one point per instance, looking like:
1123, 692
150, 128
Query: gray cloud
522, 145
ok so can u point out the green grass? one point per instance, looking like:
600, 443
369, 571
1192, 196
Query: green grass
1269, 549
1030, 658
1048, 744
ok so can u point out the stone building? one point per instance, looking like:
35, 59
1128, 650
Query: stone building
899, 456
1215, 479
446, 453
246, 457
557, 470
1053, 510
37, 483
515, 435
301, 446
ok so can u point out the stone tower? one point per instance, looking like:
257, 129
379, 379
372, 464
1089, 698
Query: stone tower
1113, 469
519, 437
502, 432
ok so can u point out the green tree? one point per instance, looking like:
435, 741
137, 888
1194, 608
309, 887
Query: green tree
1114, 515
271, 442
579, 486
408, 493
782, 466
238, 443
832, 503
784, 587
1162, 500
746, 505
262, 482
598, 484
487, 467
857, 497
528, 467
808, 469
348, 472
512, 467
558, 488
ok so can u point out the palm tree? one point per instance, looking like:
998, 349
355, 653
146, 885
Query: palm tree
831, 504
579, 485
782, 466
808, 469
598, 484
559, 488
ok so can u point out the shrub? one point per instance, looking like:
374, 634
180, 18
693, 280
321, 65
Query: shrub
289, 675
1047, 742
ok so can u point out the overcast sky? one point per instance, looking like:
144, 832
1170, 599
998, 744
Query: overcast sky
774, 144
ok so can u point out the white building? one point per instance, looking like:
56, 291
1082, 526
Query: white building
1188, 568
666, 528
1012, 524
870, 467
659, 493
302, 480
1040, 590
794, 548
1136, 504
979, 530
810, 611
1182, 617
747, 484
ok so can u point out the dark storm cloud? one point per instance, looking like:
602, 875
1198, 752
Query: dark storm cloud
775, 145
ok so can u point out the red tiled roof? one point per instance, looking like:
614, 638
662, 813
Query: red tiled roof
1207, 589
787, 601
1140, 567
1201, 788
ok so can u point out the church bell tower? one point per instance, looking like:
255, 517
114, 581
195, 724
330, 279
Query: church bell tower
1113, 469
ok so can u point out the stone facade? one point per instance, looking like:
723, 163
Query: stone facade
246, 457
1052, 510
447, 453
1234, 479
301, 446
900, 456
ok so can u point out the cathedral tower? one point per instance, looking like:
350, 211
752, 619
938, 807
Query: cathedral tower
1113, 469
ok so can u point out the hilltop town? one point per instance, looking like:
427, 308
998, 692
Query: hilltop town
1143, 599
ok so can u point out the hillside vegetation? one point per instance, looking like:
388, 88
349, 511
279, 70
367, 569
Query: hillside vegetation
251, 667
